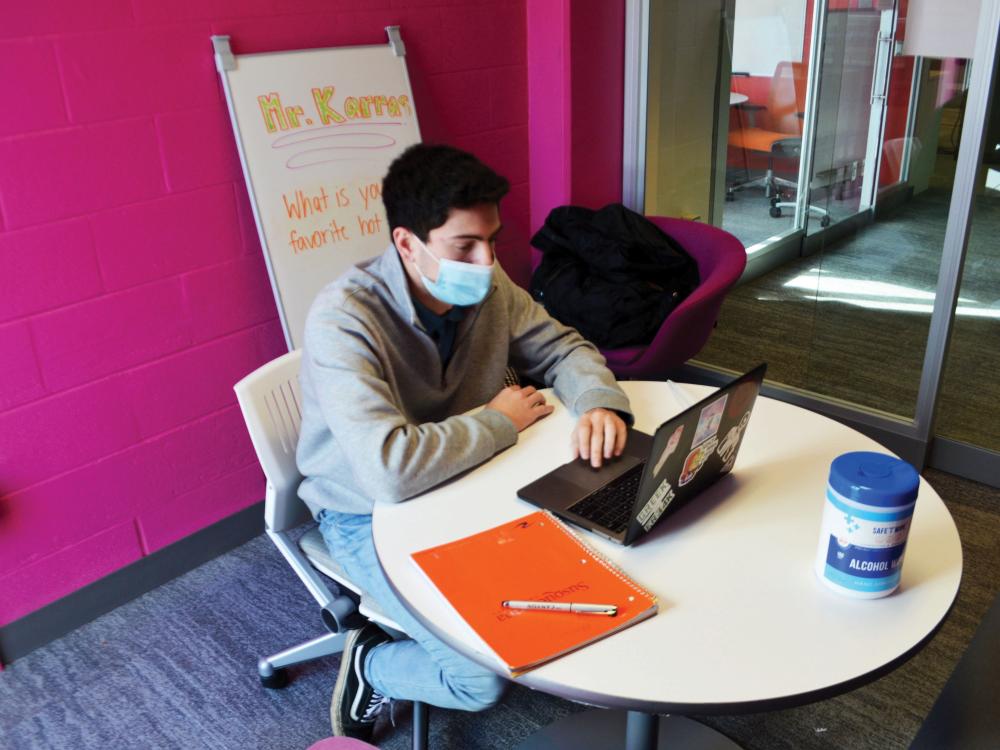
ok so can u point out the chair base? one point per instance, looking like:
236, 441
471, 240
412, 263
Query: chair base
777, 205
271, 668
768, 181
772, 186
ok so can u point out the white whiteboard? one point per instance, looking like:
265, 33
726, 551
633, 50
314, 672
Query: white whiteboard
316, 130
766, 32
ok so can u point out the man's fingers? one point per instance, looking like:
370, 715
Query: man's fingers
596, 438
598, 435
610, 436
583, 438
621, 433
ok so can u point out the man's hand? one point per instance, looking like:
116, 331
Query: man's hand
523, 406
598, 435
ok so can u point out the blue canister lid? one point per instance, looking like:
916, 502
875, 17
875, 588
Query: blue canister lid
874, 478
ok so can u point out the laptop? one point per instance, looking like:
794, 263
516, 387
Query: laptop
657, 473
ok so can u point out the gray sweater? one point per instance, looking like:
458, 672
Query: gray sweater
382, 420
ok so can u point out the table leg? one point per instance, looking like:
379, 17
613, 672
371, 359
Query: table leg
603, 729
641, 731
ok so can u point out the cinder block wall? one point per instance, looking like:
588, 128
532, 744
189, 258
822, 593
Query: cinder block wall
133, 292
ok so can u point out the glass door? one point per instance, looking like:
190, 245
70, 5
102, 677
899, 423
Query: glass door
847, 320
856, 48
856, 315
763, 127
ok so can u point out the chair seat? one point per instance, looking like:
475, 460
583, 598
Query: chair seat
757, 139
624, 356
315, 549
721, 259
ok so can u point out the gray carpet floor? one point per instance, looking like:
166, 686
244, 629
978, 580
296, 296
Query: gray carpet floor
176, 669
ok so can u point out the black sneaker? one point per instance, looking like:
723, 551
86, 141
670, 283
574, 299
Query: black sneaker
356, 703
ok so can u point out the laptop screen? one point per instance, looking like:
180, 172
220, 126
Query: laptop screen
694, 449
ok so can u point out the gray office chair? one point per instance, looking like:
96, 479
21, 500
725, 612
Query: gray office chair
781, 142
270, 398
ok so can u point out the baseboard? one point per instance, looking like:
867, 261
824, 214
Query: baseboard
840, 230
55, 620
969, 461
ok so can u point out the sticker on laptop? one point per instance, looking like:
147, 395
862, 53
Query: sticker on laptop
668, 451
656, 504
740, 398
727, 448
696, 459
709, 420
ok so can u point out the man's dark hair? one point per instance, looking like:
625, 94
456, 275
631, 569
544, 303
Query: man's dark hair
426, 181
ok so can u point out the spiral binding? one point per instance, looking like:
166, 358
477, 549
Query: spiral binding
618, 572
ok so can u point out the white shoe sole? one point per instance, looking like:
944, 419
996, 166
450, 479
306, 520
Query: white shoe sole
341, 684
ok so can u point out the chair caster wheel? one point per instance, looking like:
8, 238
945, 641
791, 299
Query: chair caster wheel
276, 680
825, 221
775, 212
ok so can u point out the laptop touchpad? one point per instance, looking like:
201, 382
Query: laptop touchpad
581, 474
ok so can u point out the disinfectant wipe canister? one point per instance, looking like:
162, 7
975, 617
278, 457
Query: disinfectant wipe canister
866, 519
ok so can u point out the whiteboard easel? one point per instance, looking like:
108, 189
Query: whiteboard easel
316, 130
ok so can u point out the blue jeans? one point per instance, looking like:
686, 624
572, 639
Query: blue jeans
420, 668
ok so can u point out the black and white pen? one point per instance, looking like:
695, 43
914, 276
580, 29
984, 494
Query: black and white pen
580, 607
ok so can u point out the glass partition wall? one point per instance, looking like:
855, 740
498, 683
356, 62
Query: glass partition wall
968, 410
831, 146
764, 121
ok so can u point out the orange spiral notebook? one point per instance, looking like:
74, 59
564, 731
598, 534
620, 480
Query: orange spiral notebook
535, 558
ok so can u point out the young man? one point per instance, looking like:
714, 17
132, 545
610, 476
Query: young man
397, 351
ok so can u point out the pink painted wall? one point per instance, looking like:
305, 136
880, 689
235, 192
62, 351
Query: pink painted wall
576, 68
133, 293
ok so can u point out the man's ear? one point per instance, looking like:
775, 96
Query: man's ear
402, 238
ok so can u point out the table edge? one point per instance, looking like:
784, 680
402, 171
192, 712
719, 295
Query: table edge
530, 679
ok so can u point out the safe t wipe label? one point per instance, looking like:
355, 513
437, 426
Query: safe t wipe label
863, 568
861, 546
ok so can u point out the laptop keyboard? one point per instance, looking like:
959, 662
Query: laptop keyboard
611, 506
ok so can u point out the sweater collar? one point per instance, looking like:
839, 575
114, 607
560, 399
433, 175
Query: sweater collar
398, 283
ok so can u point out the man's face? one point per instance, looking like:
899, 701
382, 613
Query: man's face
469, 236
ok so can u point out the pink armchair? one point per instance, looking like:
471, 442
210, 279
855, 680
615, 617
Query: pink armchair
721, 259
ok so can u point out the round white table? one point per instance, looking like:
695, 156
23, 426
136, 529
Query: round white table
737, 98
744, 624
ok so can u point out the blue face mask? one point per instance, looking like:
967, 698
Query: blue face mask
458, 283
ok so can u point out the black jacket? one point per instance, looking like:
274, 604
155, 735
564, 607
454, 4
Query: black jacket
611, 274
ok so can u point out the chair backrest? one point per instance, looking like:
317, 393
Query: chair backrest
270, 398
721, 259
787, 97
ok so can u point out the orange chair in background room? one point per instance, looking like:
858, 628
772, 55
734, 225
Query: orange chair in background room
773, 132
